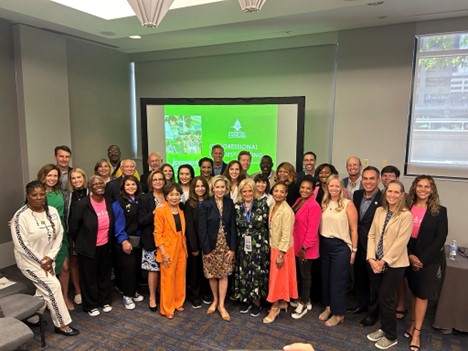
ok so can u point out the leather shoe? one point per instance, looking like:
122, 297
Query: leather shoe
356, 310
368, 321
69, 331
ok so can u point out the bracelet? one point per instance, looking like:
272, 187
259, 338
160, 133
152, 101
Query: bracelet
281, 257
354, 249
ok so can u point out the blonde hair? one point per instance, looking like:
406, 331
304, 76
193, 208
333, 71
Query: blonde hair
216, 179
327, 198
244, 183
401, 206
70, 187
288, 167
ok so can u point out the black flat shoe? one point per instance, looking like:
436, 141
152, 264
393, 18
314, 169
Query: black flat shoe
153, 309
356, 310
368, 321
70, 331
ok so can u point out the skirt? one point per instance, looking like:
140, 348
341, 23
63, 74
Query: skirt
283, 281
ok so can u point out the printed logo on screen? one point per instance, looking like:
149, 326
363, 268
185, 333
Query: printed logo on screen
237, 134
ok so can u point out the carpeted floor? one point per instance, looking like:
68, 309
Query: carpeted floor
194, 330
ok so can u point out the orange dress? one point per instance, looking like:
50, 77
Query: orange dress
282, 283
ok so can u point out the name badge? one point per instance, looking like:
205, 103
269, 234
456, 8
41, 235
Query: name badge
248, 244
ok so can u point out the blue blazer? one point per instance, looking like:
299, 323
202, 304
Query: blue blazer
208, 224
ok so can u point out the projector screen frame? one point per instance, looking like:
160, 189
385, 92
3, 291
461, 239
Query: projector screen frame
291, 100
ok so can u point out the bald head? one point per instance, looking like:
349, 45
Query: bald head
353, 166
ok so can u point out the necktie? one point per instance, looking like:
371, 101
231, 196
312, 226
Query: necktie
380, 244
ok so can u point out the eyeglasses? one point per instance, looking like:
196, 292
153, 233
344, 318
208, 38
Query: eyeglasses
158, 180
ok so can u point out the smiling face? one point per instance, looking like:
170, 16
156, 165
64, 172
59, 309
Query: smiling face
280, 191
130, 187
306, 190
387, 177
205, 169
393, 195
261, 187
103, 169
247, 193
63, 159
245, 162
36, 199
154, 161
157, 181
283, 174
370, 181
127, 167
266, 164
309, 162
168, 173
324, 174
423, 190
217, 154
353, 167
173, 198
200, 189
98, 187
184, 176
114, 153
234, 171
334, 188
219, 189
51, 179
77, 180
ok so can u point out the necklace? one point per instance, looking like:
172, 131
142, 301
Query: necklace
41, 223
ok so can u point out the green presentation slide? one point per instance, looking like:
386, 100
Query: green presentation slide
191, 131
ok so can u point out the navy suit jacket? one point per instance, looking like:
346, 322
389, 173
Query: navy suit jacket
364, 222
208, 224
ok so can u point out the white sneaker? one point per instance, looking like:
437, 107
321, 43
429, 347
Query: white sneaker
138, 297
300, 311
106, 308
94, 312
128, 303
376, 336
77, 299
384, 343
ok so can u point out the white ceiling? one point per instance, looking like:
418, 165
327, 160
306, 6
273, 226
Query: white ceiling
224, 22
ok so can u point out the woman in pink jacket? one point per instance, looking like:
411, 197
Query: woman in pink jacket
306, 241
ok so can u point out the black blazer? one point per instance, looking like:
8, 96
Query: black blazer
192, 215
83, 226
429, 246
208, 224
365, 222
146, 206
112, 191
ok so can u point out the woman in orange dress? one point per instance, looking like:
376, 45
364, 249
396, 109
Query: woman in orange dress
282, 284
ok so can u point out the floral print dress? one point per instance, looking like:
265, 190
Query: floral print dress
253, 251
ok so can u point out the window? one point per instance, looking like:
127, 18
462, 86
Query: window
438, 129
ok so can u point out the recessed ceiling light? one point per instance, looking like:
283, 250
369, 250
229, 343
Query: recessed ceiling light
113, 9
134, 37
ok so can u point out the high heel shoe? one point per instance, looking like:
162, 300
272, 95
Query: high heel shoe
334, 321
325, 315
224, 314
413, 347
270, 318
153, 308
407, 334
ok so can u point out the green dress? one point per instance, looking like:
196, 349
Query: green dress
253, 252
55, 199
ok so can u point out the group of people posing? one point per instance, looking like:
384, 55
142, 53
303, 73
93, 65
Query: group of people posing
255, 238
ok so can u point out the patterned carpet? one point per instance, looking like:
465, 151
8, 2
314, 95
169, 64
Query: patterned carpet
194, 330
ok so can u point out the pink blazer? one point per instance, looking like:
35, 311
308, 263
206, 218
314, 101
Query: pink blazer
306, 228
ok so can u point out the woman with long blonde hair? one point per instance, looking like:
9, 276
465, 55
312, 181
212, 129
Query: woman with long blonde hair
338, 247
